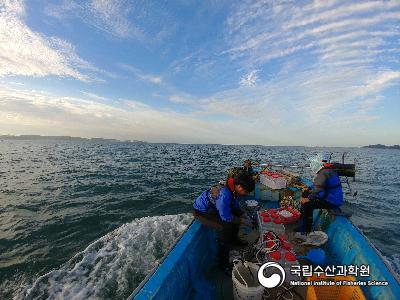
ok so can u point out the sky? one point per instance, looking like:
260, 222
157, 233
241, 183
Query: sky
308, 73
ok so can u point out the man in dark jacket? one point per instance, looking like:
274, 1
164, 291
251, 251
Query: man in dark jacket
325, 193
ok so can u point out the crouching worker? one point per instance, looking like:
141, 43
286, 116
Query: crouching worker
326, 192
219, 209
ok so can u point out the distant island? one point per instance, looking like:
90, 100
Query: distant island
27, 137
380, 146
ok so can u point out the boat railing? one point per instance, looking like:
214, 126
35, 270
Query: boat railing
144, 281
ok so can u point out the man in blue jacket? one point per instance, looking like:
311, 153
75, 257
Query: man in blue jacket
326, 191
218, 207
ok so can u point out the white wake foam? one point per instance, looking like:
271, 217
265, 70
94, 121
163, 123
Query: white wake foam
394, 262
114, 265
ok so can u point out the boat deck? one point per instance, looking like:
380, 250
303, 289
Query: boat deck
223, 282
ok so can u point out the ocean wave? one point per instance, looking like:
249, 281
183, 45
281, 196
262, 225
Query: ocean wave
112, 266
394, 262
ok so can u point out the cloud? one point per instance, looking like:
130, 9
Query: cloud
143, 21
134, 105
259, 31
111, 16
29, 53
341, 11
382, 79
329, 99
155, 79
108, 16
25, 111
249, 79
343, 53
257, 115
94, 96
368, 104
182, 98
304, 100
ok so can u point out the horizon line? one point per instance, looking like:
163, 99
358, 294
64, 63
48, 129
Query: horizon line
67, 137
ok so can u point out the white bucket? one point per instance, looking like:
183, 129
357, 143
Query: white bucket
245, 282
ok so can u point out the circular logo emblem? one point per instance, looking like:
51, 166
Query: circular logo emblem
274, 275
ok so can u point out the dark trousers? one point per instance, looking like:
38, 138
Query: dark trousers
227, 232
307, 212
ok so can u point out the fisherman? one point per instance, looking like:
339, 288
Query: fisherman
218, 208
326, 192
248, 166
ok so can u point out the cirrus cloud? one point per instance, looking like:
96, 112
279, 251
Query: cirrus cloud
29, 53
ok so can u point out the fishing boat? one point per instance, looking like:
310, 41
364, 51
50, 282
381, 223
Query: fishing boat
189, 269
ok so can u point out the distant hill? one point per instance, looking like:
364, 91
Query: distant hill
27, 137
380, 146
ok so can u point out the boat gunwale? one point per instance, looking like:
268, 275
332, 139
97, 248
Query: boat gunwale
376, 250
157, 266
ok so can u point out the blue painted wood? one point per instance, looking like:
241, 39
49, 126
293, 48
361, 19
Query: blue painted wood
350, 247
181, 275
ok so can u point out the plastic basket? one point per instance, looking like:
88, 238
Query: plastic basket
334, 292
273, 180
245, 282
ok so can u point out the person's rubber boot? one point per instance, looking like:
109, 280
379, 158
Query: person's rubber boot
228, 271
238, 244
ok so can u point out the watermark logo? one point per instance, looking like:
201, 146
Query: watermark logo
271, 274
330, 275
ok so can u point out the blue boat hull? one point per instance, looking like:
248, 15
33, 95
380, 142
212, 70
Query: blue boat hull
181, 274
351, 247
